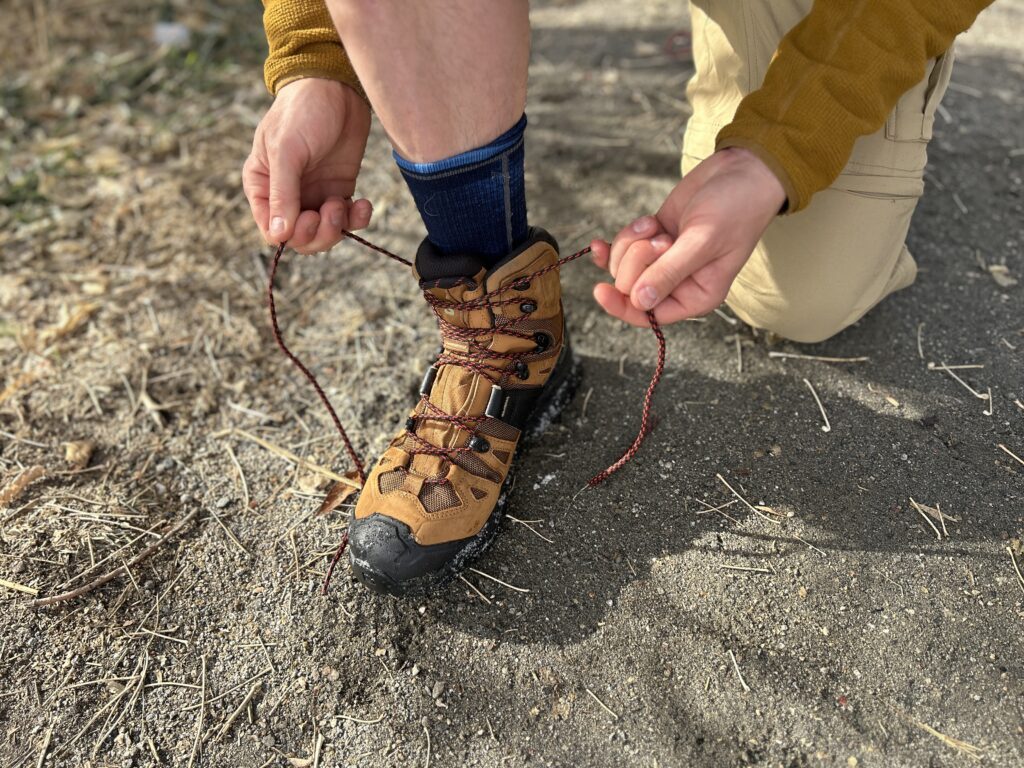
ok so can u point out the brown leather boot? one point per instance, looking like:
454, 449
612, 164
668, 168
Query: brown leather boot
434, 500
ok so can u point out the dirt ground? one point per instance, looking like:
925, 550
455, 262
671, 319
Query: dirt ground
656, 620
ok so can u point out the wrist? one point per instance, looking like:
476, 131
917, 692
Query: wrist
771, 177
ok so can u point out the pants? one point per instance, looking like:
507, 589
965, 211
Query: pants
820, 270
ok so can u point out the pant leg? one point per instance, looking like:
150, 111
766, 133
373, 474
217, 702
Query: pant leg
819, 270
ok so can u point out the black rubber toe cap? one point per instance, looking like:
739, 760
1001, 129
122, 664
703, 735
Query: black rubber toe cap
387, 559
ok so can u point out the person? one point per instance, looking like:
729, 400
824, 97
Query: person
802, 165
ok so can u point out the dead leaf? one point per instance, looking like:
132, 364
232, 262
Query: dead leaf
337, 495
1002, 275
17, 486
78, 452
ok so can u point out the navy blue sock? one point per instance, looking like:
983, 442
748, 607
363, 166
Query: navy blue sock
475, 202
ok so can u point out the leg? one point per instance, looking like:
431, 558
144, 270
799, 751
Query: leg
444, 77
448, 81
820, 270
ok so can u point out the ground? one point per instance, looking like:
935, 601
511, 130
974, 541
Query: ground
842, 627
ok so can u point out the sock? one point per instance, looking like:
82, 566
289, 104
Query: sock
475, 202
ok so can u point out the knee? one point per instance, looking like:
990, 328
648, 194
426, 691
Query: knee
801, 317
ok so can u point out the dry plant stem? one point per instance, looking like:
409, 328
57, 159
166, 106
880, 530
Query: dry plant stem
927, 519
499, 581
19, 587
473, 586
601, 704
87, 588
952, 373
1008, 452
739, 675
960, 746
749, 506
284, 453
200, 717
1016, 568
241, 708
819, 358
426, 763
826, 427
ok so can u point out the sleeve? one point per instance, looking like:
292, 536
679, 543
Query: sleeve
303, 43
835, 77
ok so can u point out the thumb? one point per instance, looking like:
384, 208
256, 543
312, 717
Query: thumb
286, 167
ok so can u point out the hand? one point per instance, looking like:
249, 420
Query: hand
682, 261
301, 173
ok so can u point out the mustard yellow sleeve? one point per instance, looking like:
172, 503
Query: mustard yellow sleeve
303, 43
836, 76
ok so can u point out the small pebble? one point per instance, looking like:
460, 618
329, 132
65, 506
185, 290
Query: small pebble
223, 501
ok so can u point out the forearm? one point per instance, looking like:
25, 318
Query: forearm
303, 42
835, 77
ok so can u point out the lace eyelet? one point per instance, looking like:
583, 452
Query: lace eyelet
410, 424
542, 340
528, 306
521, 285
479, 444
522, 370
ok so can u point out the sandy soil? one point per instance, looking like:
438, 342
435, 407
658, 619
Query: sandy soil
655, 631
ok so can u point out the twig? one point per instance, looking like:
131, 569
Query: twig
744, 568
729, 320
284, 453
499, 581
927, 519
960, 746
603, 706
826, 427
317, 747
739, 674
819, 358
426, 764
750, 506
1016, 568
45, 748
472, 586
17, 486
241, 708
951, 372
359, 720
99, 582
200, 717
527, 525
920, 349
1008, 452
19, 587
821, 552
241, 476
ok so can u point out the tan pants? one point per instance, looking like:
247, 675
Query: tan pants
819, 270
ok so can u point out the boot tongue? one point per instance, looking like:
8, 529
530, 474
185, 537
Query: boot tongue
457, 391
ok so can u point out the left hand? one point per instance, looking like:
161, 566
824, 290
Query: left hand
682, 261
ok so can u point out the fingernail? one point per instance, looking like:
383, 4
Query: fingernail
661, 242
311, 229
276, 225
336, 220
648, 297
642, 225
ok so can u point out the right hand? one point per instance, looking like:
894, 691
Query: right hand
301, 174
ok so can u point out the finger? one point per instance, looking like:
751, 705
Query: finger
618, 305
692, 250
286, 166
641, 254
333, 220
305, 231
359, 214
256, 186
599, 252
644, 227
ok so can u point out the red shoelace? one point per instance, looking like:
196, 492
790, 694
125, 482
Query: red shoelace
473, 359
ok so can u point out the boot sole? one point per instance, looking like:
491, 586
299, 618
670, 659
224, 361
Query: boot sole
549, 407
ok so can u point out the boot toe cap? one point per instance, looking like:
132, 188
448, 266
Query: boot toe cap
386, 558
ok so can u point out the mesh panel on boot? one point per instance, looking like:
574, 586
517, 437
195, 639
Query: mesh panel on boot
437, 496
475, 465
499, 429
389, 482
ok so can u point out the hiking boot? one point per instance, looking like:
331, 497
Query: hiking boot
434, 500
